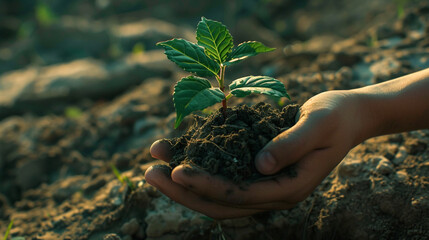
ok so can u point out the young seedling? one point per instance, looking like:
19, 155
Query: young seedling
212, 54
6, 235
123, 179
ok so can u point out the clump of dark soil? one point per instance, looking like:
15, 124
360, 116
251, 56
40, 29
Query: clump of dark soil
228, 146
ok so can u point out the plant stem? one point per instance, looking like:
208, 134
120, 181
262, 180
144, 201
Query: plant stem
221, 81
224, 108
228, 96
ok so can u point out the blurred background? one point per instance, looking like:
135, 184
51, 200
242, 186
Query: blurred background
46, 32
50, 31
105, 33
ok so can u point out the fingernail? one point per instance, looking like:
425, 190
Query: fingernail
153, 149
265, 162
149, 177
155, 174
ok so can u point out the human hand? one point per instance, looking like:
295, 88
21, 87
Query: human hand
328, 126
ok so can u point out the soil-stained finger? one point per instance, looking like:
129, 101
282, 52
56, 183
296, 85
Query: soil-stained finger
180, 194
160, 149
311, 170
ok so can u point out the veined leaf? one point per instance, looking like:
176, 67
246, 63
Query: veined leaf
190, 57
258, 84
245, 50
215, 38
194, 93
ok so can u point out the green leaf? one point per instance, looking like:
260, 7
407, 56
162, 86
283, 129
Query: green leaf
129, 183
73, 112
44, 14
215, 38
190, 57
193, 93
6, 235
245, 50
117, 173
258, 84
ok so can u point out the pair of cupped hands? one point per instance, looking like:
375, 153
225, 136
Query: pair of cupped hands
327, 127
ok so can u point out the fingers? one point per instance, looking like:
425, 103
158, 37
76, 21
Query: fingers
311, 170
156, 176
226, 192
160, 149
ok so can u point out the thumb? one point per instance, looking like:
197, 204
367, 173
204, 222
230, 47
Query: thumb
287, 148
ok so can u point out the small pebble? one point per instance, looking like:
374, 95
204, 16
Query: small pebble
400, 156
402, 175
111, 236
384, 166
350, 168
420, 202
130, 227
117, 201
415, 146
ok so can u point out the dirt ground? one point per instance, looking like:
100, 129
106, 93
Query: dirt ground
83, 87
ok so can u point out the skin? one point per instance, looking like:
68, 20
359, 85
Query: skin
329, 125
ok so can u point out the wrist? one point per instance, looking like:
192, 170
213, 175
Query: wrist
397, 105
371, 113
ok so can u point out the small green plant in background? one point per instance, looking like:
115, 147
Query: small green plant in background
400, 7
210, 57
73, 112
123, 179
44, 14
6, 235
25, 30
138, 48
115, 50
372, 40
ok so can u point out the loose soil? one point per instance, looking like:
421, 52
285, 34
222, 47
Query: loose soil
228, 146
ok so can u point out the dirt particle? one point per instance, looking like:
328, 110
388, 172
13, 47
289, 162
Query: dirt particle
166, 170
191, 171
350, 168
415, 146
111, 236
384, 166
131, 227
400, 156
402, 175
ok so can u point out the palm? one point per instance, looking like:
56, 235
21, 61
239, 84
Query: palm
326, 130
